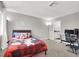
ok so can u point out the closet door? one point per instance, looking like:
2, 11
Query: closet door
57, 30
51, 32
0, 32
7, 28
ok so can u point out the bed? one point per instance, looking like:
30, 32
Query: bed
23, 44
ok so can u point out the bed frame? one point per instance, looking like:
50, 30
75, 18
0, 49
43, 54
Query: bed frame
25, 31
28, 31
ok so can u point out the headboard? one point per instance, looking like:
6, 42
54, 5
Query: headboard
27, 31
22, 34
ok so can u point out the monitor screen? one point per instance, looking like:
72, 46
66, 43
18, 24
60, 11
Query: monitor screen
69, 31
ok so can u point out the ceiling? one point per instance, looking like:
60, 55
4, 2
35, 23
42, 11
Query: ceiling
42, 9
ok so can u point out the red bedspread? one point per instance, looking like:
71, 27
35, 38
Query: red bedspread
25, 50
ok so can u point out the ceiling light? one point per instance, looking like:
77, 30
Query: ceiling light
52, 3
8, 18
49, 18
48, 23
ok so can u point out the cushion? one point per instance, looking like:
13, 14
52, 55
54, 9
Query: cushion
28, 35
21, 35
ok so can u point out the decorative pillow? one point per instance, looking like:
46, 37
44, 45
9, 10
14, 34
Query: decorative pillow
29, 35
23, 35
19, 35
16, 35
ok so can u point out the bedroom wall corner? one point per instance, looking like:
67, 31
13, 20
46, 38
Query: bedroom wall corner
25, 22
3, 36
69, 22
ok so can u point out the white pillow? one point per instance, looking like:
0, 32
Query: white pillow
16, 43
16, 40
28, 42
29, 34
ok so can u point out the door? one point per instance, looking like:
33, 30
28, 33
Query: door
57, 30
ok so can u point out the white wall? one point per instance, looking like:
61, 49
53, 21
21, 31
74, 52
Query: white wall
69, 22
18, 21
3, 37
0, 23
4, 33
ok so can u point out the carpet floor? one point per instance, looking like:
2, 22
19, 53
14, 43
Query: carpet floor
58, 49
55, 49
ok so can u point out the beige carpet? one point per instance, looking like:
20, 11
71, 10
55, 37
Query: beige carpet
58, 49
55, 49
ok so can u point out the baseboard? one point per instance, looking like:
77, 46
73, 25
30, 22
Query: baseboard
0, 48
4, 47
